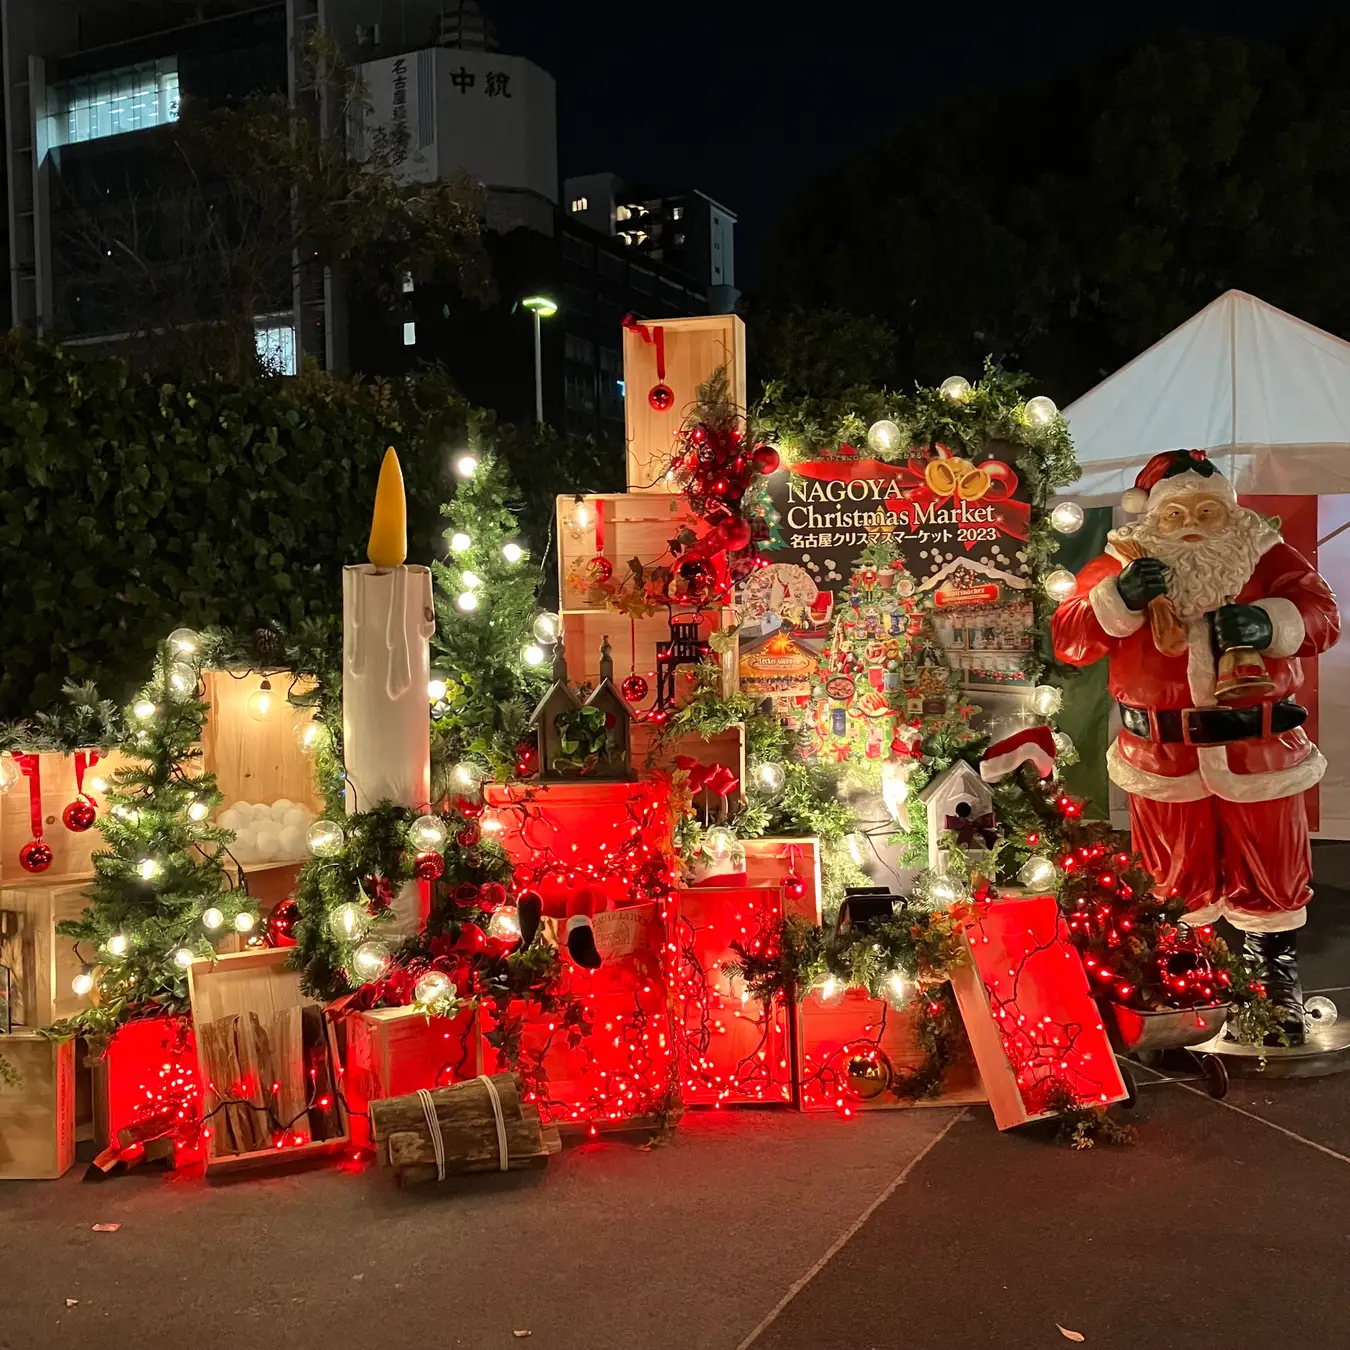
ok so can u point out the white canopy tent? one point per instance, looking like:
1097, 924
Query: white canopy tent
1268, 396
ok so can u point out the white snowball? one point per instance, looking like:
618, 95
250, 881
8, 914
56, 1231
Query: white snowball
292, 841
245, 846
269, 842
297, 815
246, 809
281, 806
230, 819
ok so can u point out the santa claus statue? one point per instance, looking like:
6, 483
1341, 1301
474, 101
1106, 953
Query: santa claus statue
1204, 612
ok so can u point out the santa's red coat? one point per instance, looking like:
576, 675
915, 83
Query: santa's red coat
1094, 622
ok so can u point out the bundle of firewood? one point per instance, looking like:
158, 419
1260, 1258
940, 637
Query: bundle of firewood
466, 1122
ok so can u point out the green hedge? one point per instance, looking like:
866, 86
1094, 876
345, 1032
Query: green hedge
129, 506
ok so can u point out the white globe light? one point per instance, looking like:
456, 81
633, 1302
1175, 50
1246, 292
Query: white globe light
198, 810
148, 869
894, 990
719, 841
466, 466
1047, 699
581, 516
504, 924
325, 838
534, 655
1059, 584
466, 601
437, 690
428, 834
460, 542
547, 626
955, 387
118, 944
1067, 518
1037, 872
946, 891
347, 922
243, 921
512, 551
1063, 743
769, 778
184, 642
830, 990
472, 580
883, 436
143, 708
307, 736
434, 985
371, 959
184, 957
82, 983
10, 773
467, 775
1320, 1011
182, 679
1040, 411
212, 919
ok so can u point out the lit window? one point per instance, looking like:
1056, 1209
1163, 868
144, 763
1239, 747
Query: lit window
679, 239
622, 213
677, 213
579, 203
113, 103
409, 333
274, 341
407, 283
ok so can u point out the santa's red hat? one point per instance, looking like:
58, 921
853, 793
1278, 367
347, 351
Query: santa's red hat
1173, 472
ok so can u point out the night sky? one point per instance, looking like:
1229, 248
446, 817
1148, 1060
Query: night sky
749, 102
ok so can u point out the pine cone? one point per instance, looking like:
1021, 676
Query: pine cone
267, 644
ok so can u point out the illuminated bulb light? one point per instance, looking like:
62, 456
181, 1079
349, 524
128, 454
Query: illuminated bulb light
183, 957
371, 959
467, 775
118, 944
1040, 411
512, 551
243, 921
534, 655
82, 983
883, 436
148, 869
428, 834
1063, 743
830, 990
895, 989
770, 777
143, 709
325, 838
182, 679
947, 892
1059, 584
347, 922
261, 702
547, 627
432, 987
1037, 872
460, 542
466, 601
1047, 699
212, 919
504, 924
184, 641
955, 388
466, 466
472, 580
1320, 1011
10, 773
437, 690
307, 736
198, 810
719, 841
581, 516
1067, 518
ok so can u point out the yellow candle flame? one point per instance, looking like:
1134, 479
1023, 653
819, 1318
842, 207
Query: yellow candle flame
388, 545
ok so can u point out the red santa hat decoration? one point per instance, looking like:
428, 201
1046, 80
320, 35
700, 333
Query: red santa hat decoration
1173, 472
1032, 745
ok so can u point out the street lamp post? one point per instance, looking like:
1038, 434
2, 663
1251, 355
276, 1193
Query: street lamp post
542, 308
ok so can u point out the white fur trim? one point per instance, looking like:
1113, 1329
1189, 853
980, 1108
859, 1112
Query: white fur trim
1115, 616
1155, 787
1281, 921
1287, 623
1179, 483
1258, 787
579, 921
1134, 501
1200, 676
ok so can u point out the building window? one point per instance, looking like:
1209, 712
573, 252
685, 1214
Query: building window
114, 103
407, 283
274, 341
622, 213
409, 333
580, 389
679, 239
578, 349
579, 203
677, 213
612, 268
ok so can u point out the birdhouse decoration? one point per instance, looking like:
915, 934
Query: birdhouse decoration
958, 800
684, 648
579, 739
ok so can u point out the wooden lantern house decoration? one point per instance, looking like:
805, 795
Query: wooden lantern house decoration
959, 799
587, 739
684, 647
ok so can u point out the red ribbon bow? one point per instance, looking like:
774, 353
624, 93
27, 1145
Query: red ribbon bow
714, 778
968, 828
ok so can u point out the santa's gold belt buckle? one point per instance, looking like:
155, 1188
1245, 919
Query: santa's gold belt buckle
1189, 737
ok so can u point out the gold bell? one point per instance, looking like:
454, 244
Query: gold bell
1242, 676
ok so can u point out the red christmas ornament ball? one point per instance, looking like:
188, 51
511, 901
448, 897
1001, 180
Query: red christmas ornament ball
661, 397
79, 815
634, 688
793, 886
491, 894
599, 570
766, 458
36, 856
468, 836
281, 924
429, 866
472, 938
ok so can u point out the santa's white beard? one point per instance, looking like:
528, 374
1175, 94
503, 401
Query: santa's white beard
1206, 573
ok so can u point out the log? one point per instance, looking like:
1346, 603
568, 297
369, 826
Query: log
468, 1131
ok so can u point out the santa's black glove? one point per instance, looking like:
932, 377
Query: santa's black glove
1242, 626
1141, 581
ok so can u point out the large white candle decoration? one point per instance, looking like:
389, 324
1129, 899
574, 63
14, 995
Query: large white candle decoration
387, 623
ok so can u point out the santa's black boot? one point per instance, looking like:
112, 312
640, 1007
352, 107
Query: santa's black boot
1272, 959
581, 942
529, 911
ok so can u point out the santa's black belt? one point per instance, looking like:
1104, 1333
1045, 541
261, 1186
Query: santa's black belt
1212, 726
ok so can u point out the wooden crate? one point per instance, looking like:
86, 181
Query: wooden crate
257, 981
769, 859
733, 1050
1029, 1013
72, 851
37, 1117
394, 1051
256, 761
694, 348
41, 964
829, 1036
